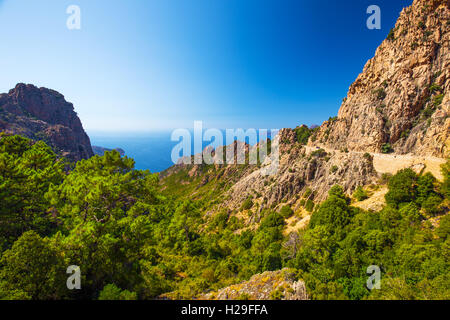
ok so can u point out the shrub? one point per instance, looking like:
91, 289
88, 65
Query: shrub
360, 194
286, 212
437, 100
434, 87
309, 206
444, 227
380, 93
431, 204
401, 188
307, 193
386, 148
112, 292
319, 153
303, 133
385, 178
391, 35
334, 169
368, 156
247, 204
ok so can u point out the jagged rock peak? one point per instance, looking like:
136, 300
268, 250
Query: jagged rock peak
44, 114
401, 100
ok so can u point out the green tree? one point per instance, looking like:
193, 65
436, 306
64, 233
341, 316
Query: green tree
33, 268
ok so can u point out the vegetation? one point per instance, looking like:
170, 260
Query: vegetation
360, 194
132, 241
391, 35
386, 148
303, 133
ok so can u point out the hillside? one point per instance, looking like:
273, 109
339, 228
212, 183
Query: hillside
394, 117
340, 203
401, 101
44, 114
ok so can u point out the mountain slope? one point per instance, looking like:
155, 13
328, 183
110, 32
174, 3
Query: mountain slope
44, 114
401, 100
398, 105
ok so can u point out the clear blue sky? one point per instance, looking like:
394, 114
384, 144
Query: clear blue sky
140, 65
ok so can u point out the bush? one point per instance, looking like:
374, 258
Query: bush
391, 35
247, 204
437, 100
334, 169
309, 206
360, 194
319, 153
386, 148
303, 134
286, 212
385, 178
402, 188
431, 204
368, 156
444, 227
380, 93
112, 292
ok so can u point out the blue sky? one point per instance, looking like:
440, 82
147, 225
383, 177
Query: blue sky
140, 65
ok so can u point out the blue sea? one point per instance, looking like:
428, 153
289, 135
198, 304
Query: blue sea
151, 151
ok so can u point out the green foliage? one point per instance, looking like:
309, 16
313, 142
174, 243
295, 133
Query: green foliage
437, 100
131, 242
402, 188
380, 93
444, 227
303, 133
286, 212
319, 153
309, 206
386, 148
33, 269
112, 292
247, 204
27, 170
391, 35
360, 194
445, 188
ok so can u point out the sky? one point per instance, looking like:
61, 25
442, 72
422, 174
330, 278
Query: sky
139, 66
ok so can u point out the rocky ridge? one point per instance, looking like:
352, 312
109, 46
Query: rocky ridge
44, 114
395, 116
400, 102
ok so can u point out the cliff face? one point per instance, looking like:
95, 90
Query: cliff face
44, 114
402, 98
399, 103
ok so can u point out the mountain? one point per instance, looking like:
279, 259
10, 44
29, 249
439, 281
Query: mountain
400, 102
394, 117
44, 114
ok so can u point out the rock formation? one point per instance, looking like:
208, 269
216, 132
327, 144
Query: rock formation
401, 101
44, 114
270, 285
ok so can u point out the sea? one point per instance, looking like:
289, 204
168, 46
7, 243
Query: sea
150, 150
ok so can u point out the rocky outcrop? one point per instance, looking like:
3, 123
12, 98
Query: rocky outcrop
401, 100
44, 114
301, 168
270, 285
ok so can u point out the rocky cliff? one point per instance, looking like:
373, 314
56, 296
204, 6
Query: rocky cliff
44, 114
395, 116
270, 285
400, 102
